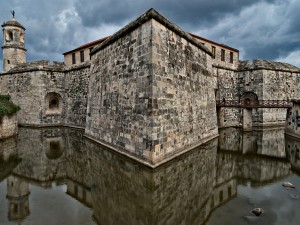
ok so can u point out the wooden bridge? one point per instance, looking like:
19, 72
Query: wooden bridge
254, 103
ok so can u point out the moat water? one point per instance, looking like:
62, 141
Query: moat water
55, 176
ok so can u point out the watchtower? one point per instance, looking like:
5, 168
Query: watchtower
14, 51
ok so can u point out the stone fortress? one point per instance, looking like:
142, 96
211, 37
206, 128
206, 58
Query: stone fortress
149, 91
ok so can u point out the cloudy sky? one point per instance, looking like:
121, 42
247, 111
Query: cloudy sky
260, 29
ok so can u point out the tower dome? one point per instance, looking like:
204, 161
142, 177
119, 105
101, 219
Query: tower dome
13, 48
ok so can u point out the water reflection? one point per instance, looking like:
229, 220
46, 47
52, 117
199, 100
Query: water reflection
77, 181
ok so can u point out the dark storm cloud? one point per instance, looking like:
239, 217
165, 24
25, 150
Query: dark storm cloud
267, 29
191, 12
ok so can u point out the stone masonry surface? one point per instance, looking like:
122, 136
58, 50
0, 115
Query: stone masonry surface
8, 126
151, 93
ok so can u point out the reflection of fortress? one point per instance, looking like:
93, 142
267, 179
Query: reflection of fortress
120, 191
149, 91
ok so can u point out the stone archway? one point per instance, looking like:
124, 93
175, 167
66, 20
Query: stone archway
249, 98
53, 103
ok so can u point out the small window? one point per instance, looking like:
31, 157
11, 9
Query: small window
231, 57
54, 103
82, 56
22, 38
213, 51
9, 36
222, 55
90, 52
8, 62
73, 58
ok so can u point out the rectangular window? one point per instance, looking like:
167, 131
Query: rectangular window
73, 58
231, 57
82, 56
222, 55
213, 51
90, 52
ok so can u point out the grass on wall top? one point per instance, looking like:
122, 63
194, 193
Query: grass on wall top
6, 106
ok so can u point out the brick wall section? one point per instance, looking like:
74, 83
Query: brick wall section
8, 126
151, 94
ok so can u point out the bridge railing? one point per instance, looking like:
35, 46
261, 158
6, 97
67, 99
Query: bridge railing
254, 103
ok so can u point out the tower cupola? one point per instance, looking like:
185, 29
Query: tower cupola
13, 48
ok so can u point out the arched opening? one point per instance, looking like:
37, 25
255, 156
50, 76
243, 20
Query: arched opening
53, 103
249, 97
9, 35
22, 38
249, 100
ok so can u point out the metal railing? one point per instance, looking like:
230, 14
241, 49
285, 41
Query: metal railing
254, 103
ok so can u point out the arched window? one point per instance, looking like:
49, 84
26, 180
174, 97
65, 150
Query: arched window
22, 38
53, 103
9, 35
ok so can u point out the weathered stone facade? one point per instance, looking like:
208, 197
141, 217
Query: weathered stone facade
48, 94
151, 90
8, 126
269, 81
293, 119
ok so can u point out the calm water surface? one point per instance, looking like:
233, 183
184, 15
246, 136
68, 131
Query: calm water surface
54, 176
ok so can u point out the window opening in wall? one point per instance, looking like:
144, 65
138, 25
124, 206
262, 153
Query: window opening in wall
53, 104
222, 55
81, 56
231, 57
21, 37
90, 52
8, 62
73, 58
213, 51
9, 36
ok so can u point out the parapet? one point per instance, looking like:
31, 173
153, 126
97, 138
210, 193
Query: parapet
37, 65
259, 64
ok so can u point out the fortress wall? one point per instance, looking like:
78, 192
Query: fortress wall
28, 90
227, 89
8, 126
120, 93
292, 125
76, 82
151, 94
270, 84
33, 89
279, 85
183, 104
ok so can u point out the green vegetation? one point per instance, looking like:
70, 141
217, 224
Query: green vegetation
7, 107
